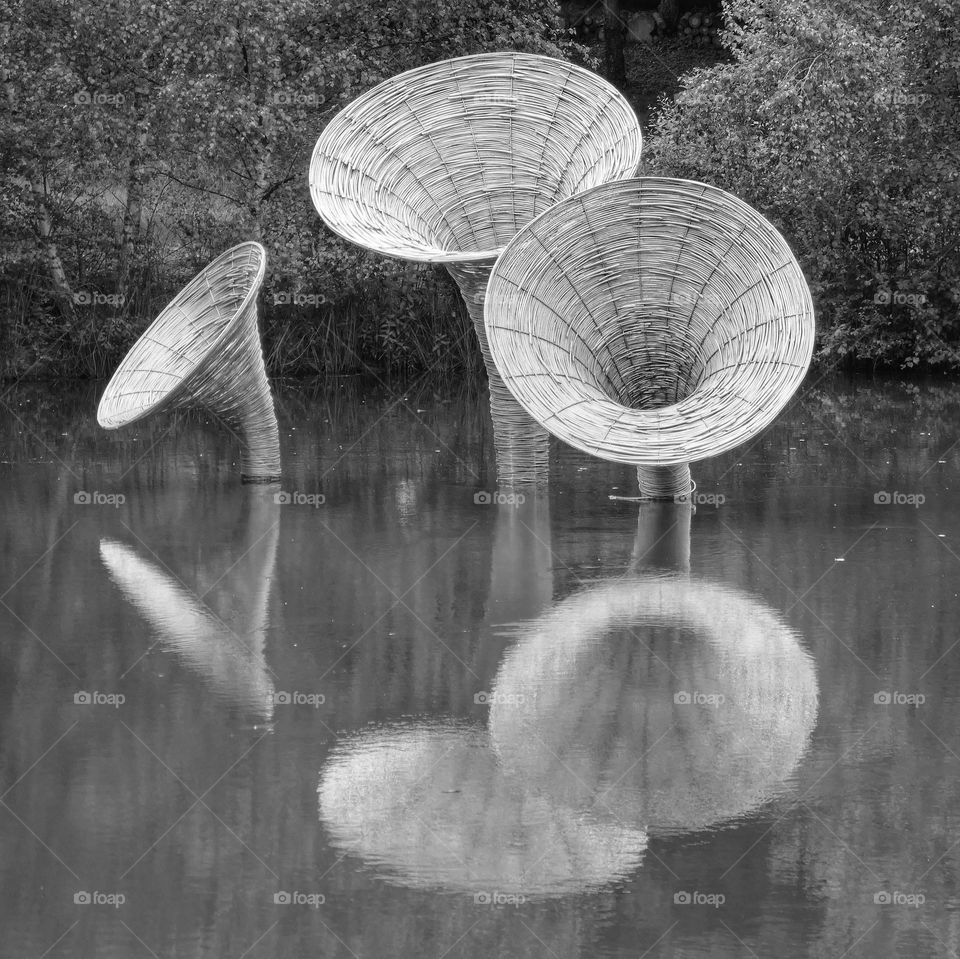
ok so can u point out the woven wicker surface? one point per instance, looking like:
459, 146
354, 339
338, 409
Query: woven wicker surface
650, 321
204, 350
445, 163
521, 444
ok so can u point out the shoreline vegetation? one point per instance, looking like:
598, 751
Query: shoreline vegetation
141, 139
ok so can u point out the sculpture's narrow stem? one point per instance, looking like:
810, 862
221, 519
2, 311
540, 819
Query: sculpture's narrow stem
665, 482
234, 385
522, 445
260, 439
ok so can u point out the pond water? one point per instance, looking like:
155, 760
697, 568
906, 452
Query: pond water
379, 710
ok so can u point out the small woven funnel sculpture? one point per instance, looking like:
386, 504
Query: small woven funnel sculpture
445, 163
653, 322
204, 350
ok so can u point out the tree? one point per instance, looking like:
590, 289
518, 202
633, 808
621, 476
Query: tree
141, 137
840, 123
615, 39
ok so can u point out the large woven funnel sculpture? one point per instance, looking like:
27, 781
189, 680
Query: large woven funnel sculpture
204, 350
445, 163
653, 322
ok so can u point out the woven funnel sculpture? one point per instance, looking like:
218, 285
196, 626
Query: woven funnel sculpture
204, 351
445, 163
653, 322
429, 806
662, 703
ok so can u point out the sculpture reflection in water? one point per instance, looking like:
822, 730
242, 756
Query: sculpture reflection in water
521, 577
646, 705
220, 634
430, 805
660, 701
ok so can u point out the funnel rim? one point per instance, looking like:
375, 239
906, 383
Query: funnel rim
126, 417
427, 253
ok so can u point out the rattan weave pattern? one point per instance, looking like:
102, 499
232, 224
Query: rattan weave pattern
446, 162
522, 445
650, 321
204, 350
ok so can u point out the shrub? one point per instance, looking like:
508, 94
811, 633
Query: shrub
839, 123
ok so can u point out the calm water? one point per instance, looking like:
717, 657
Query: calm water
372, 717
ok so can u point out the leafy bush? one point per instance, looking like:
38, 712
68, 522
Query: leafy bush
840, 123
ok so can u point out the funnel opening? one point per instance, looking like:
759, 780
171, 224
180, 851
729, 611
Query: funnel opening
651, 321
446, 162
188, 330
650, 365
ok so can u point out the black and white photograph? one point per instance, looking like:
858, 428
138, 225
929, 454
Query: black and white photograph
480, 479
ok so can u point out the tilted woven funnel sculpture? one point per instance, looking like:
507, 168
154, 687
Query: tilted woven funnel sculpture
651, 321
204, 350
445, 163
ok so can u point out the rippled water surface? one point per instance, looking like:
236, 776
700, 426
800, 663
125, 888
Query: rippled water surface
384, 709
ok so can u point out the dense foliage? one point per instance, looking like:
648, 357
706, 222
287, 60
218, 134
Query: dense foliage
841, 122
140, 138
